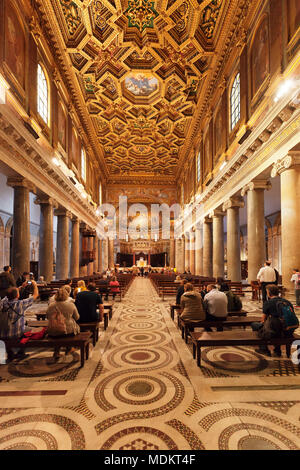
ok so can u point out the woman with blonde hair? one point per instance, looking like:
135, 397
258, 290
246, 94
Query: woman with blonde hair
81, 287
62, 316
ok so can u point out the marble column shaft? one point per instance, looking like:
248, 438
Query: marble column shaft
83, 248
186, 253
100, 258
90, 247
21, 225
256, 226
74, 262
192, 252
96, 248
172, 253
207, 248
179, 255
198, 251
111, 261
233, 238
218, 243
62, 244
46, 238
105, 254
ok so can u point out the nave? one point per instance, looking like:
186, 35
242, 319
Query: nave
141, 389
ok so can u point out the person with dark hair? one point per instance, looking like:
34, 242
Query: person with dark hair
7, 280
273, 320
114, 287
191, 304
234, 302
215, 303
87, 303
24, 277
265, 276
12, 317
180, 290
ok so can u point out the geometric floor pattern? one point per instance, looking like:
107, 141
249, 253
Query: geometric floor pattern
141, 390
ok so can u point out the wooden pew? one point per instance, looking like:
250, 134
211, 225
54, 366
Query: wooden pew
93, 327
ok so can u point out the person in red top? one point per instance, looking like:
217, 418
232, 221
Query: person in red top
114, 287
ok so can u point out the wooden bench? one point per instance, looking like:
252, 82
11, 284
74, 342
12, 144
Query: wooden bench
93, 327
234, 338
241, 313
81, 341
187, 326
107, 315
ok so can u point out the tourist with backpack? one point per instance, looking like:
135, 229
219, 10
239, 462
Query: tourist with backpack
12, 318
296, 279
7, 280
278, 320
62, 318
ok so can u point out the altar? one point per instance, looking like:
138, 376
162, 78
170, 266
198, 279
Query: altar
141, 263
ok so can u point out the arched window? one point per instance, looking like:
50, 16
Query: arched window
198, 166
42, 95
235, 102
83, 164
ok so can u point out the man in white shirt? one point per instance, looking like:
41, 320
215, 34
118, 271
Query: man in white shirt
296, 279
215, 303
266, 275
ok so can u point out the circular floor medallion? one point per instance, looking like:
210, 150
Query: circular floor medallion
139, 388
256, 443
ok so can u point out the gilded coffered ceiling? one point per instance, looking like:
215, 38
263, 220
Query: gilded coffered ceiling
142, 68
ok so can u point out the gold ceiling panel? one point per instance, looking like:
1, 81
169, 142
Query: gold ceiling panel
140, 66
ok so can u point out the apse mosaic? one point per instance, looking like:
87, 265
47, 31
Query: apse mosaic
142, 68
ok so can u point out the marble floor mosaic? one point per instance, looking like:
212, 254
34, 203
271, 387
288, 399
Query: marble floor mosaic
141, 389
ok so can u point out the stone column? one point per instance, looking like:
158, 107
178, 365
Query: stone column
172, 253
256, 225
198, 251
46, 237
21, 225
111, 262
62, 244
186, 252
232, 206
192, 251
100, 262
218, 242
83, 249
96, 248
74, 263
289, 170
207, 248
179, 255
90, 247
105, 254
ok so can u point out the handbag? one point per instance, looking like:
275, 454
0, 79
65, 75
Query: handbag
57, 324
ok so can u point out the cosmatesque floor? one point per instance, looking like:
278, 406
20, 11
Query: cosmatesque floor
141, 389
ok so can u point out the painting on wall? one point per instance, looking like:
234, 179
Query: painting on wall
260, 62
14, 45
140, 84
62, 126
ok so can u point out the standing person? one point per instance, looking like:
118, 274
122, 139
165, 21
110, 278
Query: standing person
7, 280
142, 271
62, 317
87, 304
216, 305
12, 321
22, 278
191, 304
114, 287
265, 276
296, 279
275, 323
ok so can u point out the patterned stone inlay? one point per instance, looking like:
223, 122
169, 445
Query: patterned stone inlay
139, 388
170, 444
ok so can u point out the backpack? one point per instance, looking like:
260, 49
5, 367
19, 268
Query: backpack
5, 317
271, 328
287, 315
4, 281
57, 324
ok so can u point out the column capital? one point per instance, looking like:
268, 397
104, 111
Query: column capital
19, 181
62, 211
198, 226
74, 218
233, 202
207, 220
290, 161
217, 213
83, 226
39, 200
256, 184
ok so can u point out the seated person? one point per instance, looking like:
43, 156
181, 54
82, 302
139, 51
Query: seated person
42, 282
67, 287
178, 279
22, 278
189, 276
271, 326
81, 287
12, 324
68, 327
103, 284
191, 304
69, 282
114, 287
87, 303
26, 289
180, 290
215, 303
234, 302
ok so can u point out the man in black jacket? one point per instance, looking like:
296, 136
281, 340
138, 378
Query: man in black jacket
87, 303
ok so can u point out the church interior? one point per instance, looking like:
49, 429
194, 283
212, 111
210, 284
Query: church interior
150, 143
